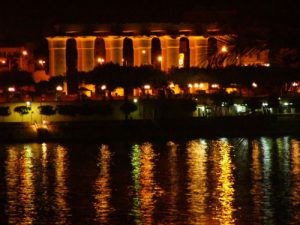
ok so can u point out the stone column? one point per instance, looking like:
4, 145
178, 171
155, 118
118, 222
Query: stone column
170, 52
57, 55
198, 51
114, 49
142, 50
85, 51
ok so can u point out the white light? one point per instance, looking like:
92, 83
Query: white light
42, 62
172, 85
11, 89
103, 87
135, 100
265, 104
190, 85
24, 53
201, 85
100, 60
294, 84
3, 61
143, 52
59, 88
285, 103
254, 85
159, 58
214, 85
147, 86
28, 104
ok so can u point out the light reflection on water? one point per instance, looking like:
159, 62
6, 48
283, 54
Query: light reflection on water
223, 181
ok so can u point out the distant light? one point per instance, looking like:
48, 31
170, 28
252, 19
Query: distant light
28, 104
3, 61
294, 84
215, 86
42, 62
265, 104
123, 60
143, 52
24, 52
135, 100
190, 85
285, 103
159, 58
254, 84
224, 49
147, 86
201, 85
172, 85
11, 89
103, 87
59, 88
266, 64
100, 60
196, 85
181, 60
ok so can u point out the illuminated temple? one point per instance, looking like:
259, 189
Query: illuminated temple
162, 45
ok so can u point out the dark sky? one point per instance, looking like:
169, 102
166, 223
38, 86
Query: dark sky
30, 18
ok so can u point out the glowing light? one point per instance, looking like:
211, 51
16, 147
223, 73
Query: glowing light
135, 100
265, 104
172, 85
196, 85
294, 84
143, 52
101, 60
215, 86
59, 88
181, 60
147, 86
24, 53
190, 85
28, 104
3, 61
254, 85
103, 87
201, 85
42, 62
224, 49
159, 58
11, 89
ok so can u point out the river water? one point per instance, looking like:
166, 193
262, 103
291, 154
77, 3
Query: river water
199, 181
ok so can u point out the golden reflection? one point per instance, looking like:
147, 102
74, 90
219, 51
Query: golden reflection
142, 160
256, 189
224, 173
197, 182
295, 185
20, 186
103, 190
174, 183
62, 209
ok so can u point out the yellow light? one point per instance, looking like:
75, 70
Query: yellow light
143, 52
147, 86
100, 60
103, 87
224, 49
196, 85
190, 85
24, 53
172, 85
59, 88
159, 58
41, 62
254, 85
215, 86
135, 100
201, 85
181, 60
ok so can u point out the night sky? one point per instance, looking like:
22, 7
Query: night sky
26, 20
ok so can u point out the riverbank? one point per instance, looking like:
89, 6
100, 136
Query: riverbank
152, 129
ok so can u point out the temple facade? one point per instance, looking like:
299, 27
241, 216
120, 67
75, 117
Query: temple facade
177, 43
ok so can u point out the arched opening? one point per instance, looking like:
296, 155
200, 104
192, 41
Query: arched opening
184, 53
128, 52
71, 55
71, 62
212, 48
99, 53
156, 56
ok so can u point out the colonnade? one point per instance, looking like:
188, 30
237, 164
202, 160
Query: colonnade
114, 51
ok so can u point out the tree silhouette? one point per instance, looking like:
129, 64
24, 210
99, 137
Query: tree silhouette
22, 110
